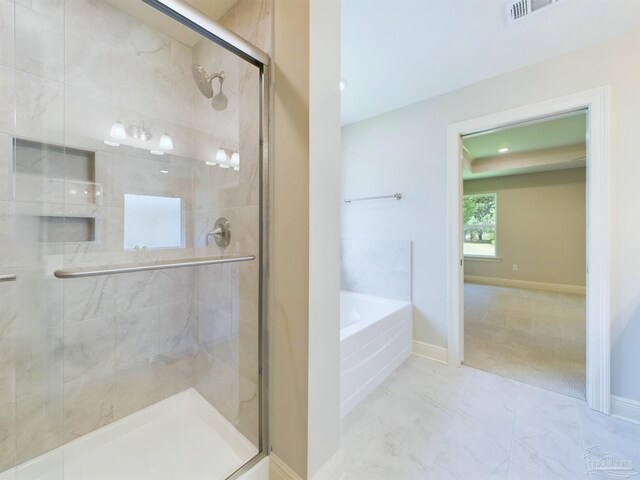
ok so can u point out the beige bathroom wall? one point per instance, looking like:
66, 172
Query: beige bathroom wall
541, 227
289, 270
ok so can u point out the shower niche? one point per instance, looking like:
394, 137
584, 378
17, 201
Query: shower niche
58, 186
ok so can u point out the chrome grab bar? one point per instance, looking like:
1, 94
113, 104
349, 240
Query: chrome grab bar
397, 196
10, 277
81, 272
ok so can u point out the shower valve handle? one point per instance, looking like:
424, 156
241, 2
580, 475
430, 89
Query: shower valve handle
221, 233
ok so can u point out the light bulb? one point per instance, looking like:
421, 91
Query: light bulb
235, 159
221, 156
165, 143
118, 131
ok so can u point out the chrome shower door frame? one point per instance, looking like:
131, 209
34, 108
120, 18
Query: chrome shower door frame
200, 23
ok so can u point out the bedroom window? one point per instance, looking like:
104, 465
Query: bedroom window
479, 218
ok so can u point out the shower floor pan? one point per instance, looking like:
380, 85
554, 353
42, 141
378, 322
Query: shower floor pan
182, 437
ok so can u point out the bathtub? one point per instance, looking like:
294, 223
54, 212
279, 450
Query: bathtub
375, 338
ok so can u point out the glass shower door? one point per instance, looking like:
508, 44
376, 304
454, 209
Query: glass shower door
130, 214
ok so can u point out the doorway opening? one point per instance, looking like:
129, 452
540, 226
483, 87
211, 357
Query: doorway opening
524, 247
475, 228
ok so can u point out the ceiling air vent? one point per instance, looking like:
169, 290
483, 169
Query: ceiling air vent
519, 9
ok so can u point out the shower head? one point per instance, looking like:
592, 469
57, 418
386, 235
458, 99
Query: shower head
203, 81
220, 101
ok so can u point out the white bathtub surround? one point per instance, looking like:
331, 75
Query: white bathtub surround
375, 338
180, 434
377, 267
431, 422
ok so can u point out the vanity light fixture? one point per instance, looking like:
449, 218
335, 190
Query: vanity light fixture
166, 142
222, 158
118, 131
221, 155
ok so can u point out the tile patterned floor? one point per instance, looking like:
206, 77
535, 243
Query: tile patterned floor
533, 336
431, 422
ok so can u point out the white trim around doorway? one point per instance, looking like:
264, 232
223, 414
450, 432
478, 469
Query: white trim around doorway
596, 103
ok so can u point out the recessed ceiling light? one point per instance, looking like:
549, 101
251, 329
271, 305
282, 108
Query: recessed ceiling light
164, 171
504, 150
343, 84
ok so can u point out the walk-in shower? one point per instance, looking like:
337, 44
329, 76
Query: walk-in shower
131, 266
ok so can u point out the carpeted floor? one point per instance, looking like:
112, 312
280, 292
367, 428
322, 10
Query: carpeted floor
533, 336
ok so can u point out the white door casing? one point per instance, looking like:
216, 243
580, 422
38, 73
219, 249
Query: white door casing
598, 347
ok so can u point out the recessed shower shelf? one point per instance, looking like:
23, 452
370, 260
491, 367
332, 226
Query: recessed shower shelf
147, 266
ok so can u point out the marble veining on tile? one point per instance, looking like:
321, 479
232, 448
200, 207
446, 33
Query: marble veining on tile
431, 422
377, 267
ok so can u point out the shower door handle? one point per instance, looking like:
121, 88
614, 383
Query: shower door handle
8, 277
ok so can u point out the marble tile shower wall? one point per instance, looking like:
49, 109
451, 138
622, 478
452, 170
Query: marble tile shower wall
377, 267
78, 354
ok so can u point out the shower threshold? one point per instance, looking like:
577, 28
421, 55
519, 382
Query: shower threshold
182, 437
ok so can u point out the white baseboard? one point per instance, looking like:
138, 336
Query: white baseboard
279, 470
625, 408
432, 352
505, 282
332, 470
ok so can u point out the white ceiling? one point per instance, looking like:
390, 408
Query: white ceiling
556, 143
398, 52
